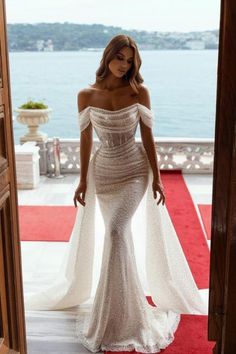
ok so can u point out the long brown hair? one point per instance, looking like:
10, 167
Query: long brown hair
115, 44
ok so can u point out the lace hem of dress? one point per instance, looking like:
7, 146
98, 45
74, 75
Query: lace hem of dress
82, 322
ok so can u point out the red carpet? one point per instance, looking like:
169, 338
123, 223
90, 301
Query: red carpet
205, 211
187, 225
46, 223
191, 337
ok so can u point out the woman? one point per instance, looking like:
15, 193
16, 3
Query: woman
120, 318
115, 179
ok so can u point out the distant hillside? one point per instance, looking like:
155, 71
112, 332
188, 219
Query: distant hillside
69, 36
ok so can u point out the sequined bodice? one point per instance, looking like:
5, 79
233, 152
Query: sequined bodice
118, 149
115, 128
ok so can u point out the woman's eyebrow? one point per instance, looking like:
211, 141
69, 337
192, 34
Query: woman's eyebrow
123, 55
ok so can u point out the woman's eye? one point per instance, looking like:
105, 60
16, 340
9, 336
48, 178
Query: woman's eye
120, 58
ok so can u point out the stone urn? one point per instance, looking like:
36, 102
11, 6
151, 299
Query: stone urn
33, 118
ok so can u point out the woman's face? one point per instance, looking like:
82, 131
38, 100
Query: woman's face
122, 62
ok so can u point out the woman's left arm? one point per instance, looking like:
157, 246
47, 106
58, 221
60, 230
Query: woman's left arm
149, 145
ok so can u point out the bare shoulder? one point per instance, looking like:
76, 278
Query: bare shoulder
144, 96
83, 98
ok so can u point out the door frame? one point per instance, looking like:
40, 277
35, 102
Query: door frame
222, 289
12, 315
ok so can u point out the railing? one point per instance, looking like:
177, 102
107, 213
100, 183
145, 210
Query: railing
61, 156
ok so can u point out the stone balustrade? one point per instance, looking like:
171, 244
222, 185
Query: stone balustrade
186, 154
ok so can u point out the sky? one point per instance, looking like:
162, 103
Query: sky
149, 15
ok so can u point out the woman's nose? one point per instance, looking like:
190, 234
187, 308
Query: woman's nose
124, 65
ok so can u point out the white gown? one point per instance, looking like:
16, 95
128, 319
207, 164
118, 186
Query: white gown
118, 317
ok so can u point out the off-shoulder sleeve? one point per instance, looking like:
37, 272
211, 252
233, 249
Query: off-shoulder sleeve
84, 118
146, 115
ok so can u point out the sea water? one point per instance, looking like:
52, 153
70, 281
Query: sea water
182, 86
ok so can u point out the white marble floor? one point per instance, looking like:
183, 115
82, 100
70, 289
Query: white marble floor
53, 331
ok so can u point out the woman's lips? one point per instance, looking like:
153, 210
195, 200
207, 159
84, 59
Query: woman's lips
122, 71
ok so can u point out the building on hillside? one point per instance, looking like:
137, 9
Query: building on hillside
195, 44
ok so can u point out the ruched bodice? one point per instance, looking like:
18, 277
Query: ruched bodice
119, 158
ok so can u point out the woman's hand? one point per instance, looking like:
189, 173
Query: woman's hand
81, 189
158, 187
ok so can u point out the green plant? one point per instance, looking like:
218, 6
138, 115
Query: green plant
33, 105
